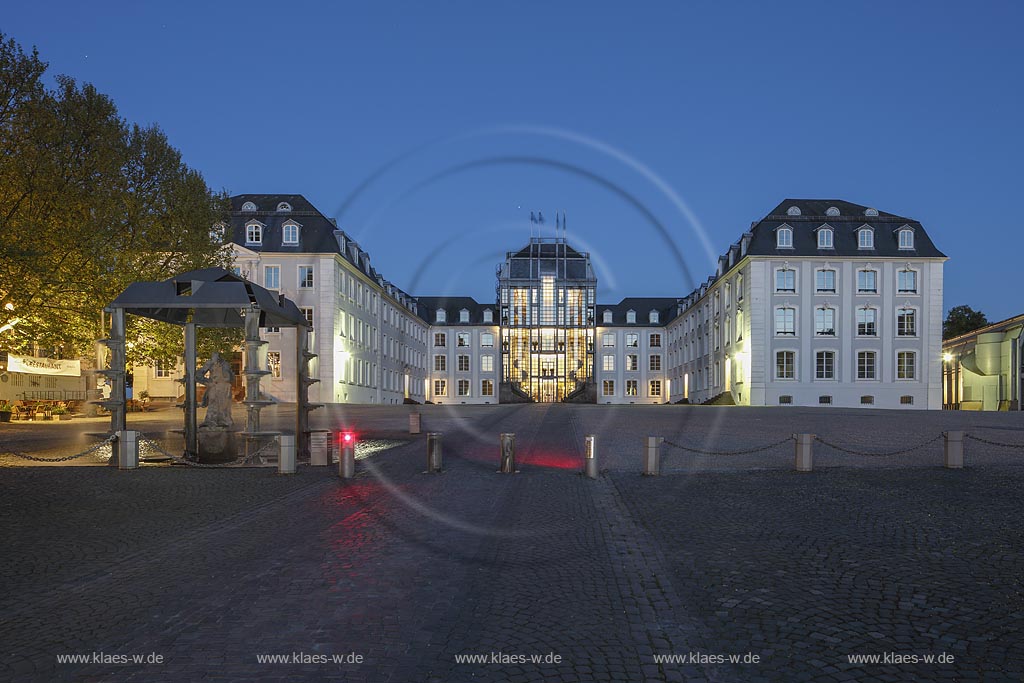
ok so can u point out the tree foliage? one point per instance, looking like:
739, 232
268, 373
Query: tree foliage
88, 205
961, 320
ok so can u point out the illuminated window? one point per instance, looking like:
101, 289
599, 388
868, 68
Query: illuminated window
654, 388
487, 387
608, 363
906, 365
608, 387
440, 387
487, 363
785, 365
274, 364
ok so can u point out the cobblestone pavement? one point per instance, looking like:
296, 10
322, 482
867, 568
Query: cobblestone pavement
210, 569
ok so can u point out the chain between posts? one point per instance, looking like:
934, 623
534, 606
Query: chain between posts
180, 460
879, 455
993, 443
741, 452
91, 449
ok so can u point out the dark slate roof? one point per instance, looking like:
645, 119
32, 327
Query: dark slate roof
428, 306
666, 307
541, 255
814, 214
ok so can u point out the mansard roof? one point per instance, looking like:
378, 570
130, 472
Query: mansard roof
642, 306
452, 305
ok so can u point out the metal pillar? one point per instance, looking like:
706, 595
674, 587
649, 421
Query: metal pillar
347, 460
116, 404
126, 449
433, 452
953, 447
652, 456
191, 430
804, 452
286, 459
590, 456
508, 453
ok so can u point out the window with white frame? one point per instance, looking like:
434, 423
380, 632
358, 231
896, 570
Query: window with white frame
739, 287
865, 238
824, 238
463, 363
630, 316
631, 385
607, 317
785, 364
248, 206
654, 388
274, 364
441, 316
784, 238
462, 340
825, 365
487, 387
867, 281
272, 277
907, 281
739, 325
867, 322
653, 317
463, 387
486, 339
632, 362
440, 339
487, 363
785, 280
464, 316
608, 387
254, 233
488, 315
825, 321
608, 339
825, 281
290, 234
440, 387
307, 313
162, 369
655, 363
305, 277
440, 363
655, 339
867, 367
632, 341
608, 362
906, 365
785, 320
906, 322
906, 236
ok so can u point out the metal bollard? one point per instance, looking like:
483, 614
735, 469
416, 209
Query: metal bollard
589, 457
286, 458
652, 455
347, 460
433, 452
127, 446
414, 423
508, 453
804, 452
954, 450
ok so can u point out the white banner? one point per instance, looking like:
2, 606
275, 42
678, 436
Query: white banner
44, 366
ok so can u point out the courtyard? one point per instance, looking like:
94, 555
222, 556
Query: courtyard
725, 568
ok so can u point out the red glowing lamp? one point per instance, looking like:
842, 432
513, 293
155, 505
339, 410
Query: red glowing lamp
347, 438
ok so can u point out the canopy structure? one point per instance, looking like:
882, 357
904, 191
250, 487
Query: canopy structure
213, 298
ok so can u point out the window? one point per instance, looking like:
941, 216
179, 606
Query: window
653, 317
254, 233
867, 322
866, 365
785, 400
464, 316
439, 339
284, 206
162, 369
739, 287
655, 363
784, 238
630, 387
832, 211
785, 321
906, 365
488, 315
632, 362
441, 316
867, 282
463, 363
463, 387
825, 400
274, 364
785, 364
440, 387
824, 238
630, 316
793, 210
272, 277
906, 238
825, 365
608, 339
608, 363
825, 281
440, 363
825, 322
607, 317
654, 390
487, 340
906, 322
487, 387
867, 400
248, 206
307, 313
655, 339
305, 277
608, 387
906, 400
865, 238
632, 341
487, 363
785, 280
462, 339
907, 283
291, 234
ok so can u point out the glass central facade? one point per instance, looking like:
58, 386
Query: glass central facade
546, 296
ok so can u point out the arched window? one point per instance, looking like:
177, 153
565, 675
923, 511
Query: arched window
832, 211
825, 238
870, 212
865, 238
464, 316
906, 236
784, 237
607, 317
248, 206
284, 206
793, 211
653, 317
254, 233
290, 233
441, 315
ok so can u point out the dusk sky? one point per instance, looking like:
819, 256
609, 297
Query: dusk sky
702, 116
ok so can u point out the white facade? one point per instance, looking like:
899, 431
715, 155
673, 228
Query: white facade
464, 362
631, 364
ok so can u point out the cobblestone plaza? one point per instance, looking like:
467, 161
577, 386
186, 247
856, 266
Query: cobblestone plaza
402, 576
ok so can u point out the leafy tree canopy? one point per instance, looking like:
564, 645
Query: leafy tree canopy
961, 320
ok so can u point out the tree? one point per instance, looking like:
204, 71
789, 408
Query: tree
89, 204
961, 320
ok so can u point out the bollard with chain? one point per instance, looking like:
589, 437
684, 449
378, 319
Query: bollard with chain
590, 457
433, 452
347, 458
804, 452
652, 455
954, 450
414, 423
127, 447
508, 453
286, 458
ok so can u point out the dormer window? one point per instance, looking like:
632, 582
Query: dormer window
254, 233
906, 237
630, 316
290, 234
832, 211
217, 232
248, 206
488, 315
865, 238
784, 237
653, 317
284, 206
825, 238
793, 211
441, 316
464, 316
870, 212
607, 318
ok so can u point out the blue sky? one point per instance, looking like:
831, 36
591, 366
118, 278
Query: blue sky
705, 114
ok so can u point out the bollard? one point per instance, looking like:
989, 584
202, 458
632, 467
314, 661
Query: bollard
652, 455
347, 460
127, 446
589, 457
414, 423
286, 459
954, 450
433, 452
804, 452
508, 453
